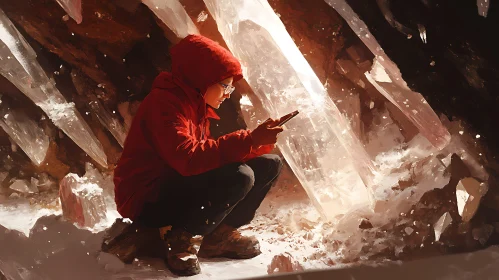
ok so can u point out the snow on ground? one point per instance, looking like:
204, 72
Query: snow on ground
48, 247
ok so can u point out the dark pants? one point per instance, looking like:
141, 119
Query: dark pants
231, 193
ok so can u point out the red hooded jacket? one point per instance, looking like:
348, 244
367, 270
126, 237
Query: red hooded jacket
169, 136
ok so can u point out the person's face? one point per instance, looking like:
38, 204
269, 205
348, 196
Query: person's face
217, 93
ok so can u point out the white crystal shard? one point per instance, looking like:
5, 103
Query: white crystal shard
82, 201
23, 186
283, 263
469, 193
202, 16
3, 176
108, 121
422, 33
412, 104
483, 7
173, 14
462, 197
320, 146
73, 8
25, 133
409, 230
43, 182
441, 225
19, 65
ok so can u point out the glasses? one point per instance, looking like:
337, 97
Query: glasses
228, 89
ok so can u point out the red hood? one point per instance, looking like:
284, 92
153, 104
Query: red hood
197, 63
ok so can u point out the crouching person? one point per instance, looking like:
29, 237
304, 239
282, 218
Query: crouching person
173, 176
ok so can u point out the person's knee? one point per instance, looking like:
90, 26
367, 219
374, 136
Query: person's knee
275, 163
244, 181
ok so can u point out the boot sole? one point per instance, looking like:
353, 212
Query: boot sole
228, 255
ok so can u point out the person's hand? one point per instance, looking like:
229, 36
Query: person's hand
266, 133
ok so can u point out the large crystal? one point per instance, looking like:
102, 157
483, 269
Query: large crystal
173, 14
108, 121
19, 65
387, 79
82, 201
73, 8
320, 146
469, 193
25, 133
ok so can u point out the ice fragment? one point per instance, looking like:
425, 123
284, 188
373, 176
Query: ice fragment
283, 263
409, 230
23, 186
202, 16
469, 192
441, 225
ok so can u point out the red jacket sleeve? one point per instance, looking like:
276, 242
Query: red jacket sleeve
265, 149
172, 138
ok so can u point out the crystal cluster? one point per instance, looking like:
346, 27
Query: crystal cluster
19, 65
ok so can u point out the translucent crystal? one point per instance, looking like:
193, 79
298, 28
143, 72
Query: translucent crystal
483, 7
283, 263
409, 230
411, 103
108, 121
25, 133
173, 14
3, 176
384, 6
23, 186
422, 33
82, 201
469, 193
319, 144
73, 8
441, 225
19, 65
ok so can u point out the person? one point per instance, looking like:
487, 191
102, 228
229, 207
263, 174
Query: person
174, 176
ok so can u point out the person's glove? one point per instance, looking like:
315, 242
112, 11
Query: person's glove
266, 133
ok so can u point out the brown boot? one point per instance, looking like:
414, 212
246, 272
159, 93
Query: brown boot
181, 256
226, 242
129, 240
